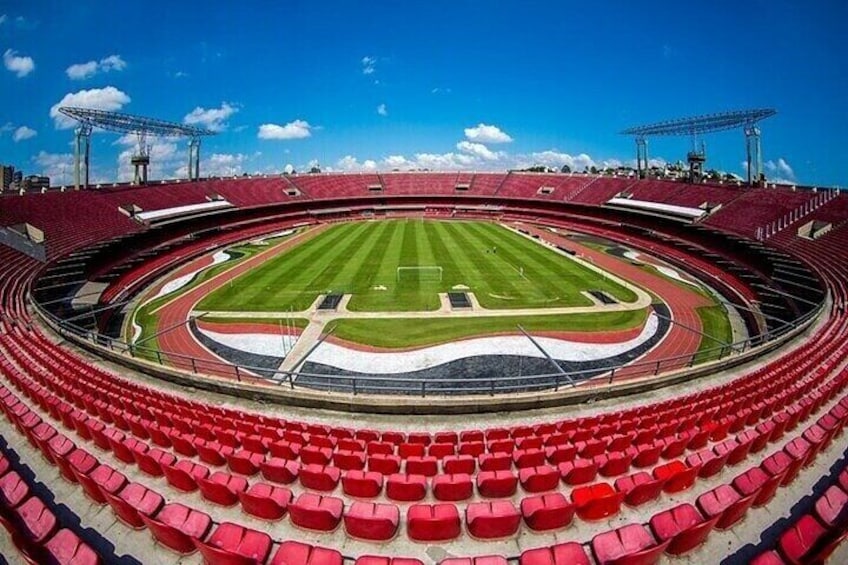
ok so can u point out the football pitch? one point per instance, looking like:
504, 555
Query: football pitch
402, 265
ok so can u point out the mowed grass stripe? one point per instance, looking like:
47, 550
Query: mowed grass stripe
369, 270
482, 279
511, 257
383, 272
301, 283
549, 274
254, 290
340, 276
448, 255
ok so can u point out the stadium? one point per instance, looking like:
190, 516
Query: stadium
397, 366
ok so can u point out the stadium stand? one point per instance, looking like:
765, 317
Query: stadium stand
194, 475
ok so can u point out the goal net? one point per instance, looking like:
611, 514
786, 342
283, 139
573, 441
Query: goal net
423, 274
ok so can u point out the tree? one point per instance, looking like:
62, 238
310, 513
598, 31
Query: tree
315, 170
565, 169
593, 169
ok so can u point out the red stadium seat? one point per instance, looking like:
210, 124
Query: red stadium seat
379, 560
13, 490
684, 526
597, 501
184, 474
315, 512
724, 502
547, 511
488, 520
798, 543
320, 477
362, 484
455, 464
244, 462
222, 488
265, 501
569, 553
578, 472
426, 465
231, 544
453, 487
406, 488
100, 478
676, 475
280, 470
432, 522
538, 479
370, 521
496, 484
297, 553
132, 501
630, 544
481, 560
639, 488
175, 525
65, 547
831, 506
36, 521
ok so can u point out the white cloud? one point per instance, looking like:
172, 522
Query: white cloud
3, 19
484, 133
298, 129
556, 159
382, 110
349, 163
109, 98
6, 128
21, 66
23, 133
477, 149
81, 71
780, 168
213, 119
369, 65
58, 166
439, 90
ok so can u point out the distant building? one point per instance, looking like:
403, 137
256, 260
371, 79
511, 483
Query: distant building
7, 177
35, 183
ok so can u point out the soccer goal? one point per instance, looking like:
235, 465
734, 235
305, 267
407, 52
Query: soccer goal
423, 274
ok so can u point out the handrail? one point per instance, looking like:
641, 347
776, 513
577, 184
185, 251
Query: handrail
436, 387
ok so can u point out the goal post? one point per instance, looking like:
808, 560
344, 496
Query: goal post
432, 273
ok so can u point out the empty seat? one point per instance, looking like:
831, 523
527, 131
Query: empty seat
538, 479
629, 544
370, 521
245, 462
36, 520
280, 470
798, 542
639, 488
101, 477
724, 502
231, 543
481, 560
684, 526
222, 488
454, 487
676, 475
496, 484
320, 477
151, 461
594, 502
406, 488
13, 490
385, 464
134, 499
830, 507
487, 520
297, 553
422, 465
547, 511
569, 553
184, 474
265, 501
175, 525
578, 472
758, 482
316, 512
710, 464
495, 461
66, 548
432, 522
362, 484
453, 464
77, 460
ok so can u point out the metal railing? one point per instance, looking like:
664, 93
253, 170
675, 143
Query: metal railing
140, 357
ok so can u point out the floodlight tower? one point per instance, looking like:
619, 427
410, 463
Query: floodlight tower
699, 125
141, 127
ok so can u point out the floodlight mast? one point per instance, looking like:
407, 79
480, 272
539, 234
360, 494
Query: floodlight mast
141, 127
748, 120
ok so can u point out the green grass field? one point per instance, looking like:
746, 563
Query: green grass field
362, 258
714, 322
418, 332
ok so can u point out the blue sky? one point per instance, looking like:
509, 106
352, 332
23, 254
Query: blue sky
468, 84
